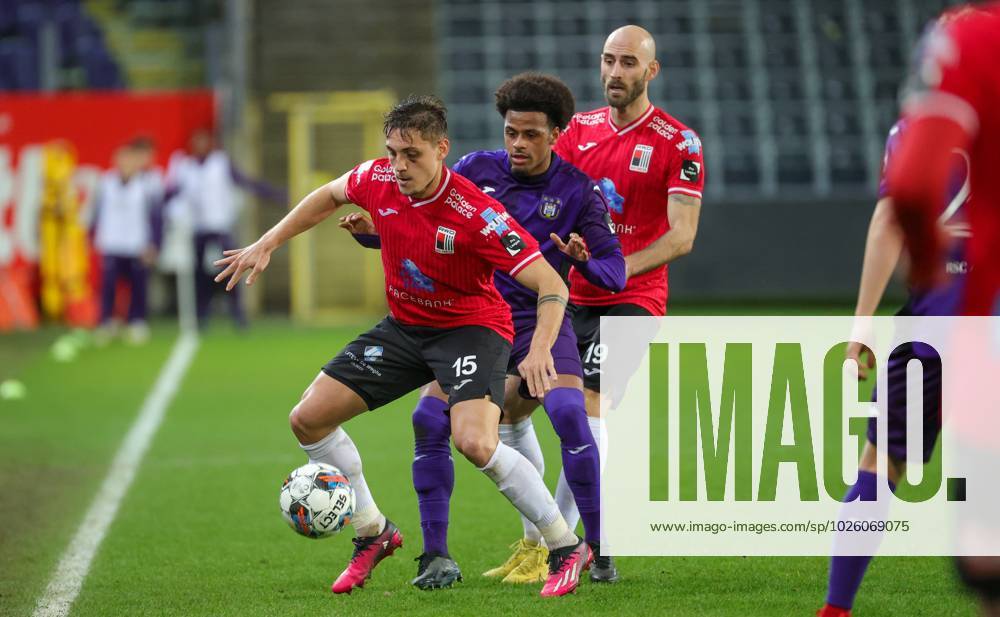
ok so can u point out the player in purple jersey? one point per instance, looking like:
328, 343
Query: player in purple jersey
553, 201
882, 250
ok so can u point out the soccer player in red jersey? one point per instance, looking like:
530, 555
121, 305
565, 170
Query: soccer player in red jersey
446, 322
650, 168
954, 103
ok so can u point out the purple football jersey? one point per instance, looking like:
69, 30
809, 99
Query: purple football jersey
943, 300
562, 200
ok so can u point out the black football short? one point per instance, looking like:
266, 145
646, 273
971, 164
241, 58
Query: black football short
587, 325
393, 359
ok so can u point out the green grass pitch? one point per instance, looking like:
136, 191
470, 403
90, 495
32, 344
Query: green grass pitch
199, 533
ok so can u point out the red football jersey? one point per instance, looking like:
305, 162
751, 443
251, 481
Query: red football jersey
439, 253
636, 166
958, 77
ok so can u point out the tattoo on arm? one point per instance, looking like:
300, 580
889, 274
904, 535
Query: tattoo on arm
552, 298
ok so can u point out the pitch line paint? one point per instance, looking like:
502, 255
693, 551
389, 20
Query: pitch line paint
67, 580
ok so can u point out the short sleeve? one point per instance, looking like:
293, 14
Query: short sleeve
502, 242
686, 170
359, 184
567, 139
890, 148
948, 77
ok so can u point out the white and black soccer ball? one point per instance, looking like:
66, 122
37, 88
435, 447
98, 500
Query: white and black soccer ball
317, 500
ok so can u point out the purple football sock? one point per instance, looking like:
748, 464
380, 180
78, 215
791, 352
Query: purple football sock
433, 471
847, 572
581, 460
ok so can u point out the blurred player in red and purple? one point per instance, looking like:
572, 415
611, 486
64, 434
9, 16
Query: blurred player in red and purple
953, 103
882, 252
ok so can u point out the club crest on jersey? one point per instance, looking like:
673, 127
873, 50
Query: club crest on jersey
640, 158
444, 241
373, 353
549, 207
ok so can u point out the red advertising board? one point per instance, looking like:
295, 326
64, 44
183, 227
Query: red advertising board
37, 132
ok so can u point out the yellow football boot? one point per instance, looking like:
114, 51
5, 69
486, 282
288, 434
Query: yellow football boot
522, 550
534, 567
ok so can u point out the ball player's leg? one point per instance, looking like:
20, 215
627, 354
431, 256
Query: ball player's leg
434, 482
315, 421
847, 572
527, 564
474, 429
476, 391
376, 368
586, 325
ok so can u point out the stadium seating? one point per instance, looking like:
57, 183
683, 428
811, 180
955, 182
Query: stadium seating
801, 92
82, 58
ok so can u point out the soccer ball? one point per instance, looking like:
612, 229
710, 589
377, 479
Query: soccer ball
317, 500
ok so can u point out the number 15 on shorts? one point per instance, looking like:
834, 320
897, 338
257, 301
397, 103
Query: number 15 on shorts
466, 365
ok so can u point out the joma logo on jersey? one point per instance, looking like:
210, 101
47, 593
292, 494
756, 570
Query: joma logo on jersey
640, 158
444, 241
549, 207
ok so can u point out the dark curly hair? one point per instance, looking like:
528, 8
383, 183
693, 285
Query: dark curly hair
537, 92
425, 114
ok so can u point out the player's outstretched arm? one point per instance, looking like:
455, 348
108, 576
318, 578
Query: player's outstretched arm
538, 369
312, 210
882, 250
683, 212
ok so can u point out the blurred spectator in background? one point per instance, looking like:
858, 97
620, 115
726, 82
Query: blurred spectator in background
202, 188
126, 235
150, 175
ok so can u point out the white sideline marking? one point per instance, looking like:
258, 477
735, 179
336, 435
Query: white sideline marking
68, 578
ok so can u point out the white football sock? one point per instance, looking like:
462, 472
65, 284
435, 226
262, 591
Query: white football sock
564, 495
338, 450
522, 486
566, 502
521, 436
600, 433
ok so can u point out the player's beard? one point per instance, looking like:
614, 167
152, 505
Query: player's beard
632, 92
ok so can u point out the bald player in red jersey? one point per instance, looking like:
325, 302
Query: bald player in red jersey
954, 103
447, 322
650, 168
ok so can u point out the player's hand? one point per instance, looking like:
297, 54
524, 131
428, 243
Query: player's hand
576, 248
254, 258
357, 223
860, 353
538, 369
